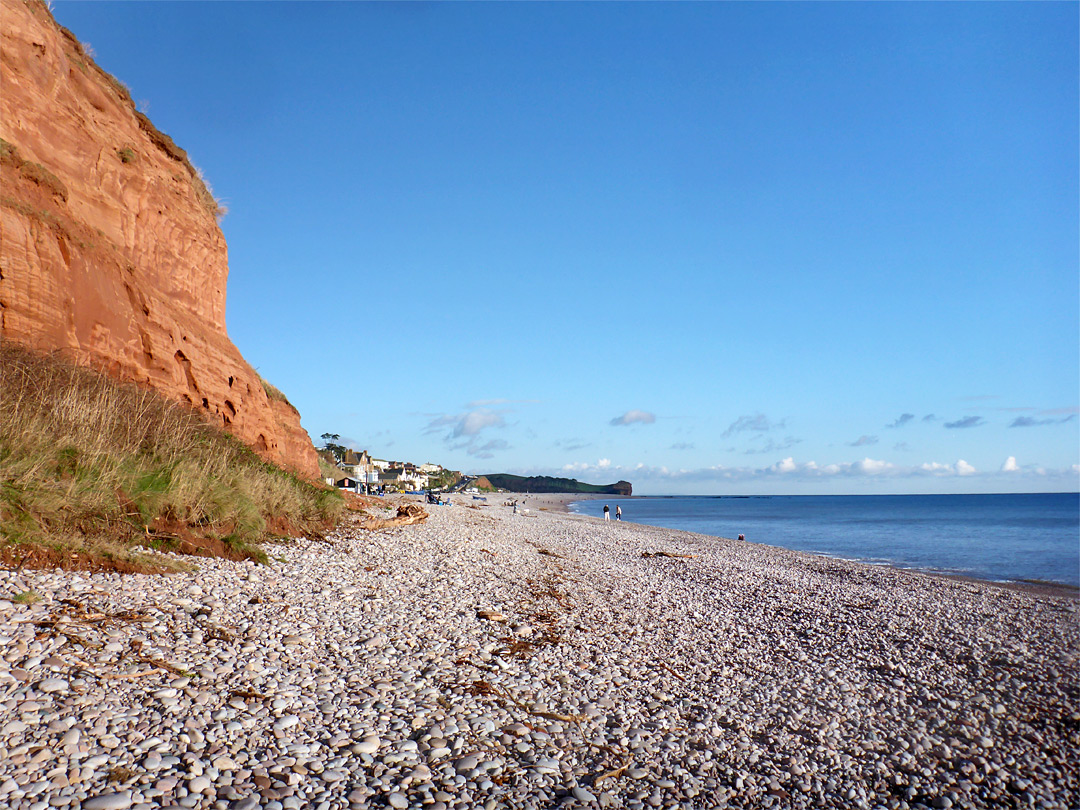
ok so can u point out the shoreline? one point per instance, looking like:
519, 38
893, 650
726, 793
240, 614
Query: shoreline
560, 502
534, 660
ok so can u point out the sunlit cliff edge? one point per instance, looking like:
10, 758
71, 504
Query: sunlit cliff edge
110, 248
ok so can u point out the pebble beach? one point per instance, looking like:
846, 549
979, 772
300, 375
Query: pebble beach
487, 659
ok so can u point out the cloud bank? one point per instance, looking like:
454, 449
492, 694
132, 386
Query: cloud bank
789, 467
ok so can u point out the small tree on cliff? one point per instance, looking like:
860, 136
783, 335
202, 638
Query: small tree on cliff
330, 442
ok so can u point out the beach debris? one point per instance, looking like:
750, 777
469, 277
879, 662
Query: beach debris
485, 688
668, 554
614, 774
673, 672
407, 515
248, 694
547, 553
491, 615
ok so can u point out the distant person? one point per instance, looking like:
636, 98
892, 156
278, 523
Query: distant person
618, 512
607, 512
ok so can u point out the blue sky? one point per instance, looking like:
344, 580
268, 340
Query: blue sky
705, 247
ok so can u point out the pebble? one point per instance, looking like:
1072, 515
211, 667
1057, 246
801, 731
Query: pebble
582, 795
108, 801
368, 745
433, 666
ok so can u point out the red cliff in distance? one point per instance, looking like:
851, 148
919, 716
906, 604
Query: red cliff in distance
110, 248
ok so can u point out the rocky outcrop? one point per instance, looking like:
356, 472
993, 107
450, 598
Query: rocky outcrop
111, 249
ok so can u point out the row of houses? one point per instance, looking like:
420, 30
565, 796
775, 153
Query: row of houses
362, 473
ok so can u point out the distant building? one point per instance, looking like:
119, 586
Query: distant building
402, 479
358, 465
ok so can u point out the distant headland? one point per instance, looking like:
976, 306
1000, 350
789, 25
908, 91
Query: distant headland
546, 483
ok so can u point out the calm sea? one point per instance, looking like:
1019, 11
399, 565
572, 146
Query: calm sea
993, 537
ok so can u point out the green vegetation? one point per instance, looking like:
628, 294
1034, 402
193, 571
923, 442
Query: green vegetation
545, 483
9, 154
328, 469
332, 445
126, 155
443, 480
92, 469
27, 598
29, 210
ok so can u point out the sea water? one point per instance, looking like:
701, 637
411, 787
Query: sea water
1034, 537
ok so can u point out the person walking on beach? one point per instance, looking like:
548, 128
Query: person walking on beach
618, 512
607, 512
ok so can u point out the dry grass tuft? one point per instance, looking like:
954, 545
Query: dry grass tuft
91, 468
273, 393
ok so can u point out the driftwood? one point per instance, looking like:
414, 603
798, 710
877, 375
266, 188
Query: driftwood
407, 514
667, 554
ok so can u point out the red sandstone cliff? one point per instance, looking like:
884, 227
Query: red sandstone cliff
109, 243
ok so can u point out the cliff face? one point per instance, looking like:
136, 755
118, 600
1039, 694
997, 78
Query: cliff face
110, 247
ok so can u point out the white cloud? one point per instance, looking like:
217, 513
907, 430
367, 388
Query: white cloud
586, 467
465, 428
1010, 465
870, 466
630, 417
788, 465
935, 467
469, 423
475, 421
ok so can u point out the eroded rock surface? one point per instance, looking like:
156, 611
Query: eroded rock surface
110, 249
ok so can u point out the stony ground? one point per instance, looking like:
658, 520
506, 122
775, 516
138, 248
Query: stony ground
486, 659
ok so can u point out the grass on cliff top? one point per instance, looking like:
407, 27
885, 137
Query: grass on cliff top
93, 470
273, 392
